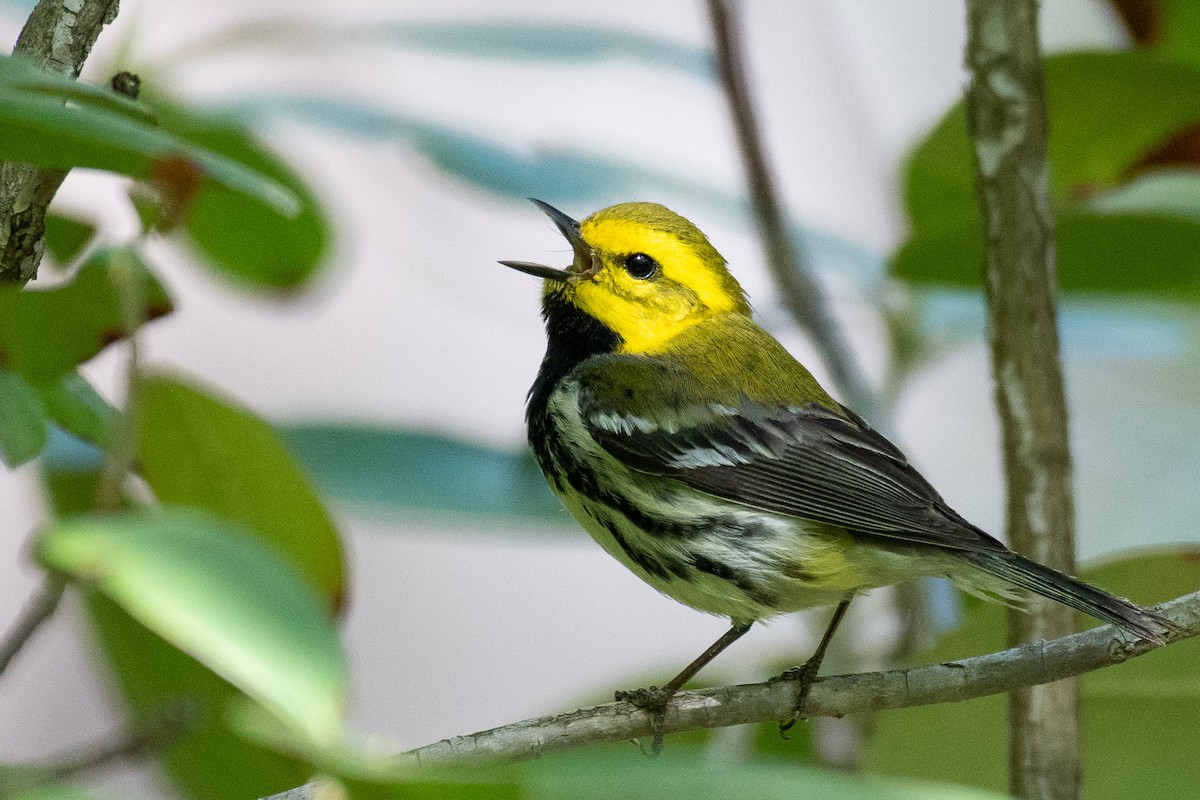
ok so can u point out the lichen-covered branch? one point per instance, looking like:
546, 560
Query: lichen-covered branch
1006, 114
1024, 665
58, 36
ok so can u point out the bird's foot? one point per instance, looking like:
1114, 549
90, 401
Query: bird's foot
653, 701
804, 676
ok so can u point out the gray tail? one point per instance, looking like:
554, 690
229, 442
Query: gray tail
1051, 583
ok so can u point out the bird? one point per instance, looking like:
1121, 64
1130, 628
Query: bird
699, 453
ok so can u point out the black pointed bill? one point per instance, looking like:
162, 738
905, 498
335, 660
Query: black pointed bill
585, 264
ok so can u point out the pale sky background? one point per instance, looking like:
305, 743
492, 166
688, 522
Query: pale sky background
413, 324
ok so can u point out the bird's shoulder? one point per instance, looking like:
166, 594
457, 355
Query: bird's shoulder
719, 363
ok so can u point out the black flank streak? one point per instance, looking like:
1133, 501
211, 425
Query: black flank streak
651, 565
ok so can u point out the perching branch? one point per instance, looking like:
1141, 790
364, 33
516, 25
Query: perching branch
1006, 114
58, 36
802, 294
1025, 665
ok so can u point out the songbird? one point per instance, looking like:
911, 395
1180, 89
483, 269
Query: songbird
700, 454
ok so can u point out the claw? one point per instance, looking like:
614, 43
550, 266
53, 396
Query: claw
653, 701
806, 675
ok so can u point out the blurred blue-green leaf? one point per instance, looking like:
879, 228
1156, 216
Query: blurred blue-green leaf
199, 450
1139, 717
217, 593
47, 333
397, 469
537, 43
106, 131
547, 43
1107, 111
570, 178
22, 419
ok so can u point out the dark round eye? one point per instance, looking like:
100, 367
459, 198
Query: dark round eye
640, 265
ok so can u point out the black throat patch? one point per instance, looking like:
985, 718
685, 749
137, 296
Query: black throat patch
571, 337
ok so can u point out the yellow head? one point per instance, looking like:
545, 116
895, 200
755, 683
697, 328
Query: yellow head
642, 271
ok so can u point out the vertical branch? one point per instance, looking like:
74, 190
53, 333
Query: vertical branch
58, 36
1006, 113
801, 293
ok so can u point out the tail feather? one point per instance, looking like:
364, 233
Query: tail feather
1070, 591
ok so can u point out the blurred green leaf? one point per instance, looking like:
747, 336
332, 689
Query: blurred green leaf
75, 406
154, 676
1107, 111
370, 773
236, 235
1139, 717
201, 451
47, 333
219, 595
66, 237
52, 792
22, 419
1179, 29
106, 131
409, 470
1156, 256
579, 776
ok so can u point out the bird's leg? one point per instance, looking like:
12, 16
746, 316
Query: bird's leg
654, 700
807, 673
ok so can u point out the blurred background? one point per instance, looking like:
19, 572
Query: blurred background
398, 372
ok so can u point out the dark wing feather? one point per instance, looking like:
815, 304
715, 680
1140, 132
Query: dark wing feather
807, 462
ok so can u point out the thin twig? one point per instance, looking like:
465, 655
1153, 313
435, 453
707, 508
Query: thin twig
39, 609
141, 739
802, 295
836, 696
1006, 113
122, 447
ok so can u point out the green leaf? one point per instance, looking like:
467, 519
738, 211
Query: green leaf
22, 419
202, 451
102, 130
1180, 30
1139, 717
66, 237
45, 334
217, 593
1155, 256
52, 792
75, 406
375, 774
578, 776
154, 676
399, 469
1107, 111
242, 238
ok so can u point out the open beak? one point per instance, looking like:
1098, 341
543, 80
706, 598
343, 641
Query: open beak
584, 265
